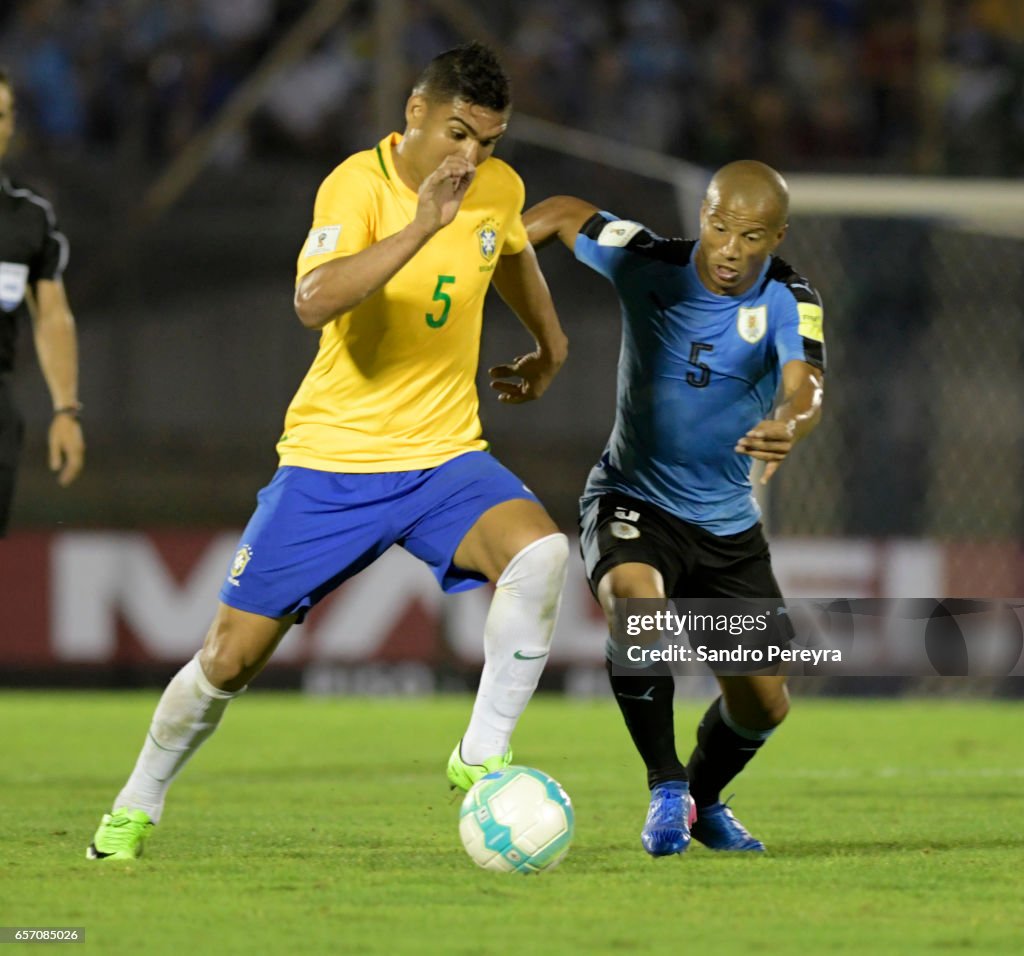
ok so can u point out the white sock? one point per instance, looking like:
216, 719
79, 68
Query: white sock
189, 711
517, 638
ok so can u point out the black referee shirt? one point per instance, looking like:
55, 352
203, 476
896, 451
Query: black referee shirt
31, 248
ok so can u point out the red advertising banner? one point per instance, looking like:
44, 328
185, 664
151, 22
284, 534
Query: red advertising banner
132, 598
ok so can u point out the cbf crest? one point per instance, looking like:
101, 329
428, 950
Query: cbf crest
242, 558
752, 323
487, 236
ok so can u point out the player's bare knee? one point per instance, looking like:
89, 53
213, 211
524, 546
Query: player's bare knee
775, 713
236, 647
626, 582
775, 706
635, 581
756, 703
222, 662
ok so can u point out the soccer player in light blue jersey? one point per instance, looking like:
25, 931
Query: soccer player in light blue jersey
717, 332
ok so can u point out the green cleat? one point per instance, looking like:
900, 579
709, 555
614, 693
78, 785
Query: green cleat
120, 835
463, 775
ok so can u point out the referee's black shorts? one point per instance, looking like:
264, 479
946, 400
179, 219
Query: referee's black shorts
11, 432
616, 529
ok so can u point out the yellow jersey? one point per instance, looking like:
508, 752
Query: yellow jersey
393, 384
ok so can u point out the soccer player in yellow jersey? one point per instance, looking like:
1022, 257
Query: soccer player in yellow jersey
382, 442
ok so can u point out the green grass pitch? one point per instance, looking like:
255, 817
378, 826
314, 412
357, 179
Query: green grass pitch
324, 826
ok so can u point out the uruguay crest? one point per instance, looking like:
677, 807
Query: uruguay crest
752, 323
625, 532
487, 235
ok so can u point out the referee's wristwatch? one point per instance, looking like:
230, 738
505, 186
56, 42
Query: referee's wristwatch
74, 410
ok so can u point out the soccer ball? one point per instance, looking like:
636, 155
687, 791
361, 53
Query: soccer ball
516, 820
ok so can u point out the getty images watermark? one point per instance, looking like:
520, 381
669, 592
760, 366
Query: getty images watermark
837, 637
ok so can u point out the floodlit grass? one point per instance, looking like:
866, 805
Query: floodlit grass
325, 826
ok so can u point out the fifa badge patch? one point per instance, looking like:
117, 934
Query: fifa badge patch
487, 236
618, 233
322, 240
242, 558
752, 323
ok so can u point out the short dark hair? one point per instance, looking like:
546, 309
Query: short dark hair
470, 72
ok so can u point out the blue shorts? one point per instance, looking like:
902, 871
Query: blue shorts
313, 530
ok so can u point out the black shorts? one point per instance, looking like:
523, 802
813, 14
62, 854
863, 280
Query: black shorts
11, 432
694, 563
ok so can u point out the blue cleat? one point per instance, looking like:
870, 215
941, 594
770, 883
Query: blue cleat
718, 829
672, 811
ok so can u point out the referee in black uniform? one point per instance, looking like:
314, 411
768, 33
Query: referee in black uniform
33, 254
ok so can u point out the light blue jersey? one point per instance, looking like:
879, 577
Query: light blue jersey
696, 372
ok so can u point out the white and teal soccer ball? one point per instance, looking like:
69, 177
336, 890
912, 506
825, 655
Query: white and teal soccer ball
516, 820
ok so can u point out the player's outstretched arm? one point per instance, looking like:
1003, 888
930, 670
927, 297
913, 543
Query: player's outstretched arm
559, 216
521, 284
803, 391
340, 285
53, 329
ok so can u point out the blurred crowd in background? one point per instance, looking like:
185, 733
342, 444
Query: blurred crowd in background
925, 86
183, 294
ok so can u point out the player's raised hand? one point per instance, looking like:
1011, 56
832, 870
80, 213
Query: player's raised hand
442, 192
531, 375
769, 441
